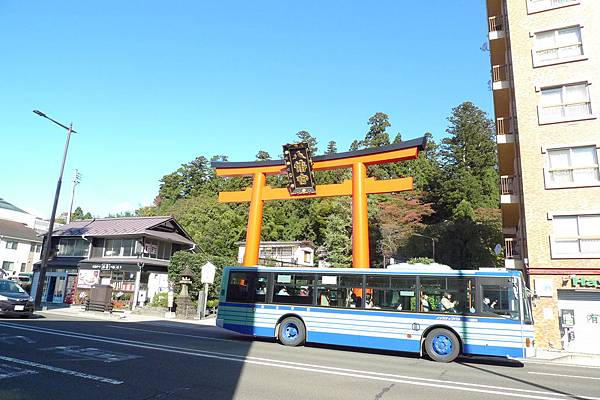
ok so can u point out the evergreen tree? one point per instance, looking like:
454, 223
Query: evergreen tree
355, 145
468, 163
77, 214
263, 155
331, 147
304, 136
377, 135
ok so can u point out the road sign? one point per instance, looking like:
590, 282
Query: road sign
208, 273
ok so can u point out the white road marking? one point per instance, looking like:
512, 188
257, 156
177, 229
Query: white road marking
177, 334
61, 370
529, 361
566, 376
314, 368
8, 371
10, 339
90, 353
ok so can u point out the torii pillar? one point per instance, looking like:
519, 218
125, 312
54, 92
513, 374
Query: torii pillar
359, 187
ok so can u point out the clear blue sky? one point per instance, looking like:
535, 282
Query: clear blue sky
150, 85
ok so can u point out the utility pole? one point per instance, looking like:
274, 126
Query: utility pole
47, 244
76, 181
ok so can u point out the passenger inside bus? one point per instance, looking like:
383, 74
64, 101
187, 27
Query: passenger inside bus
424, 302
283, 292
448, 304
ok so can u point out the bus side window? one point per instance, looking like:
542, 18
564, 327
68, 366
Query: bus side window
459, 297
238, 288
392, 293
293, 288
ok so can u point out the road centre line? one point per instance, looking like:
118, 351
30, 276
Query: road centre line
566, 376
61, 370
178, 334
313, 368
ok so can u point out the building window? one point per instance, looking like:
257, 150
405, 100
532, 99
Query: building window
557, 44
276, 253
37, 248
307, 257
7, 265
157, 249
542, 5
12, 245
119, 248
23, 267
73, 248
576, 236
565, 103
574, 166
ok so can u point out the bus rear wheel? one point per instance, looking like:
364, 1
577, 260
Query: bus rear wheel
442, 345
292, 332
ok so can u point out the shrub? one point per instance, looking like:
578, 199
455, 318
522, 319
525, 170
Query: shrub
160, 300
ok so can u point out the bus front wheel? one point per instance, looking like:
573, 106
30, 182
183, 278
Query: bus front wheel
442, 345
292, 332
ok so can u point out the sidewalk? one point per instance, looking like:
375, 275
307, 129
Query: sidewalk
122, 316
565, 357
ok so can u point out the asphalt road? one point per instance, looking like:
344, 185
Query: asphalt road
62, 358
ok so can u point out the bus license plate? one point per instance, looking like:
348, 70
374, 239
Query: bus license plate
19, 308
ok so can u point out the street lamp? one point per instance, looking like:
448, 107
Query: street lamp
46, 251
432, 243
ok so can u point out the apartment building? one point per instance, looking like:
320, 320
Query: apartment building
545, 59
282, 254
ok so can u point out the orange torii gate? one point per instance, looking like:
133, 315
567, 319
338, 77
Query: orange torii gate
359, 187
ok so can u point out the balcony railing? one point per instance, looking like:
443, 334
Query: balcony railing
504, 126
511, 248
496, 23
499, 73
508, 185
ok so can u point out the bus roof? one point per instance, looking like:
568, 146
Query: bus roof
416, 271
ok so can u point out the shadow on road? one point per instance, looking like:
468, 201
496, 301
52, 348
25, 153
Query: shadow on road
515, 379
153, 360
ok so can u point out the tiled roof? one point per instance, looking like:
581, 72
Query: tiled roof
109, 226
5, 204
17, 230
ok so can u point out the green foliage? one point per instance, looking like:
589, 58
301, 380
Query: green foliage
420, 260
78, 215
160, 300
463, 211
468, 163
331, 147
263, 155
304, 136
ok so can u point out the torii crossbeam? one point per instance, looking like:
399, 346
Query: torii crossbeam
359, 187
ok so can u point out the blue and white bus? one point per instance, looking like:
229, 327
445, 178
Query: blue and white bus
443, 313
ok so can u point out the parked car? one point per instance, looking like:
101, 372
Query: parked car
14, 300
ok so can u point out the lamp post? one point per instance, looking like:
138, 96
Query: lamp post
46, 250
432, 243
76, 181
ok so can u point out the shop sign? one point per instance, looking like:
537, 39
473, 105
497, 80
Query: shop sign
107, 267
586, 282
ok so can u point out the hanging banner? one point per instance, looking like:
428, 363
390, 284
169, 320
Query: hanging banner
298, 163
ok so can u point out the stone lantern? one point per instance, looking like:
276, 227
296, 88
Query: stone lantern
184, 303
